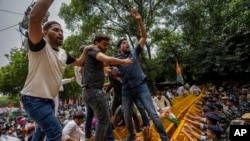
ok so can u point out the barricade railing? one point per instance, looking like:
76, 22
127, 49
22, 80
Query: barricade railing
178, 135
179, 109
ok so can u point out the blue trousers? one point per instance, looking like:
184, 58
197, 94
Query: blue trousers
42, 112
96, 100
142, 94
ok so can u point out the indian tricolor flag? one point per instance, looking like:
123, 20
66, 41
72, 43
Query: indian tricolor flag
168, 114
178, 72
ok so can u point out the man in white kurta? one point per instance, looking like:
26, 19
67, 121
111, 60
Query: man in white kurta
72, 130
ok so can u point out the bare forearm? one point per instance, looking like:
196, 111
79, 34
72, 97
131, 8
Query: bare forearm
35, 20
143, 38
138, 18
107, 60
81, 59
194, 134
106, 84
196, 129
142, 29
114, 61
39, 10
193, 122
188, 136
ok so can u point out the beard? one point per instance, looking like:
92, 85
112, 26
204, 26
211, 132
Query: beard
127, 52
58, 42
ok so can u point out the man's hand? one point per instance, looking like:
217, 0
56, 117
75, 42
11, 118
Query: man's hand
72, 79
147, 134
135, 14
89, 47
128, 61
160, 111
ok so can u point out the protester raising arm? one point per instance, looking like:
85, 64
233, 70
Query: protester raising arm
138, 18
35, 20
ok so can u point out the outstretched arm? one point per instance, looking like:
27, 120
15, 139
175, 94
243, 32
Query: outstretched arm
80, 61
35, 20
196, 135
138, 18
187, 135
112, 60
67, 80
193, 122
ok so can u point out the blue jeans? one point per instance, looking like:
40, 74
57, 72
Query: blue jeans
142, 94
38, 135
88, 122
109, 134
42, 112
96, 100
88, 125
144, 116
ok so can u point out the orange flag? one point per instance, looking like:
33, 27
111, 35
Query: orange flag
179, 74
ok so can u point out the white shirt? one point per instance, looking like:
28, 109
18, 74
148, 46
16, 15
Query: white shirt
194, 89
73, 131
181, 90
162, 102
46, 68
169, 95
64, 81
78, 75
8, 138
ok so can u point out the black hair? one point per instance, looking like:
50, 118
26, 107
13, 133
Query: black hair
48, 25
99, 37
78, 115
120, 42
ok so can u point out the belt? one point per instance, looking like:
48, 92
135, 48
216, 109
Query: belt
45, 99
86, 88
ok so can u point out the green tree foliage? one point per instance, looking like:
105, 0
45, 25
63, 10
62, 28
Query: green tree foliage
216, 33
12, 76
5, 101
71, 89
112, 17
87, 18
210, 38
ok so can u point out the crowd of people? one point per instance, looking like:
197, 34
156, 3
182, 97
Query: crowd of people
216, 111
17, 124
47, 62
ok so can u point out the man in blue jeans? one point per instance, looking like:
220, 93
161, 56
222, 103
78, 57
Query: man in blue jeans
134, 86
47, 62
115, 81
93, 81
88, 124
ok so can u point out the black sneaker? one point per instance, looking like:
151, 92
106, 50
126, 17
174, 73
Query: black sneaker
138, 130
132, 138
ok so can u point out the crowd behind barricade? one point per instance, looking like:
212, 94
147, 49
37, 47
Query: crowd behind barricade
214, 112
16, 124
40, 91
210, 117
